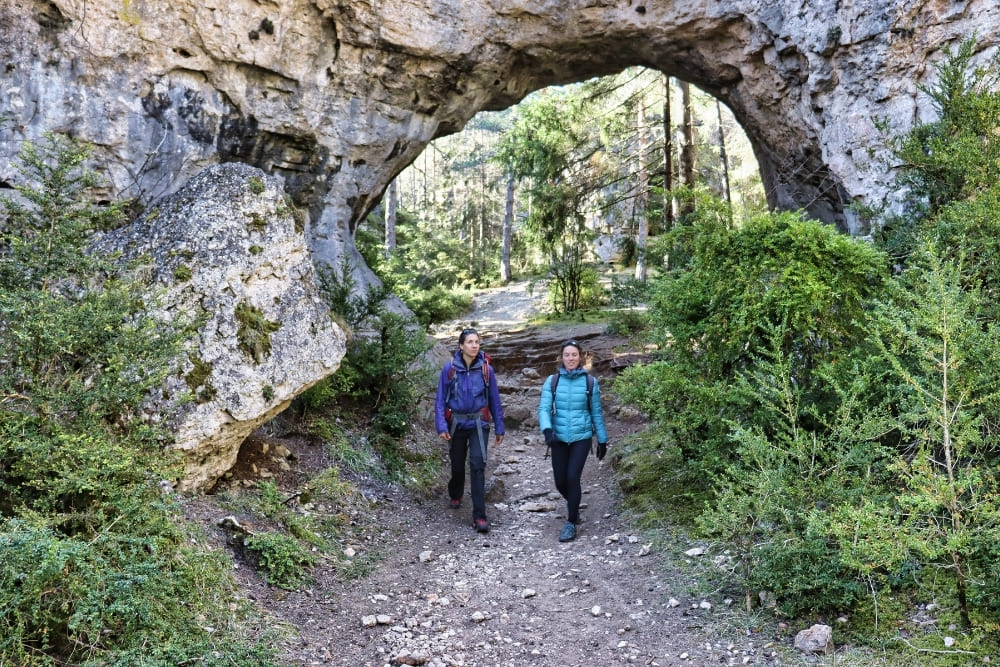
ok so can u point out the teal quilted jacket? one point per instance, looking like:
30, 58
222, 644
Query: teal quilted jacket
569, 416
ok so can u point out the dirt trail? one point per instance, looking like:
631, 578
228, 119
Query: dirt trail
445, 595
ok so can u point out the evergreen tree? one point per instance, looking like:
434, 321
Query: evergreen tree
95, 568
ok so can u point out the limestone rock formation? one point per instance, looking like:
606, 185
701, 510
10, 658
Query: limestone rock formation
225, 253
336, 98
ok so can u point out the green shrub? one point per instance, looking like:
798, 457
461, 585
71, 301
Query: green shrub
574, 285
945, 360
945, 162
955, 155
757, 329
436, 304
715, 316
687, 412
95, 567
101, 600
592, 293
967, 232
377, 373
777, 270
773, 501
627, 322
284, 561
938, 330
339, 291
628, 292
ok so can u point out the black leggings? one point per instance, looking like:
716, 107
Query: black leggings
465, 441
567, 469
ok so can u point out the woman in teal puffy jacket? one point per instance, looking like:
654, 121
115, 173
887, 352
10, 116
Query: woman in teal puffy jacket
569, 420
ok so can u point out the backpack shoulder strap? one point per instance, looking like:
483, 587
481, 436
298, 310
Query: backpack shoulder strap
486, 386
451, 390
590, 395
486, 369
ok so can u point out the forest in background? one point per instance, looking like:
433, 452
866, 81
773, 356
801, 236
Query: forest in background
570, 179
823, 408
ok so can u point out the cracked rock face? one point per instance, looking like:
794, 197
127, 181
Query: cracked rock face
334, 98
225, 252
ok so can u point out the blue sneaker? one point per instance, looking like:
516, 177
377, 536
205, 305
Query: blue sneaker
568, 532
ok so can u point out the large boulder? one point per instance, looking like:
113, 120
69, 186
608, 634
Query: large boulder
226, 252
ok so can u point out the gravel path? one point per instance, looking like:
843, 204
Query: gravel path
444, 595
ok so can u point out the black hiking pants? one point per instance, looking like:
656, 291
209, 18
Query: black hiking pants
567, 469
465, 442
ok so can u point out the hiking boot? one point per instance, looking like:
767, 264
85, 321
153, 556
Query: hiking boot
481, 525
455, 503
568, 532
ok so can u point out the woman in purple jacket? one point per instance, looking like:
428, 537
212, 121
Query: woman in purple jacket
467, 399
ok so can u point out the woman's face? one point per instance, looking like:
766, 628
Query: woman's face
570, 357
470, 346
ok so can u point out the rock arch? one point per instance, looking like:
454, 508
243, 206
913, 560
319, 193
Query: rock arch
337, 97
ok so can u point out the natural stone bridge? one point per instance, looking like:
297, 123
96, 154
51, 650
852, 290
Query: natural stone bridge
339, 96
335, 97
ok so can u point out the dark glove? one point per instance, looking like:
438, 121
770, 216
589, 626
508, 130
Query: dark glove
550, 437
602, 449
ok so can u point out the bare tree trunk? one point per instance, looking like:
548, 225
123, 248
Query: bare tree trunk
688, 152
481, 206
641, 195
391, 205
424, 174
723, 157
668, 159
508, 226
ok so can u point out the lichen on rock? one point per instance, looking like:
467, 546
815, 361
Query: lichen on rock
263, 334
